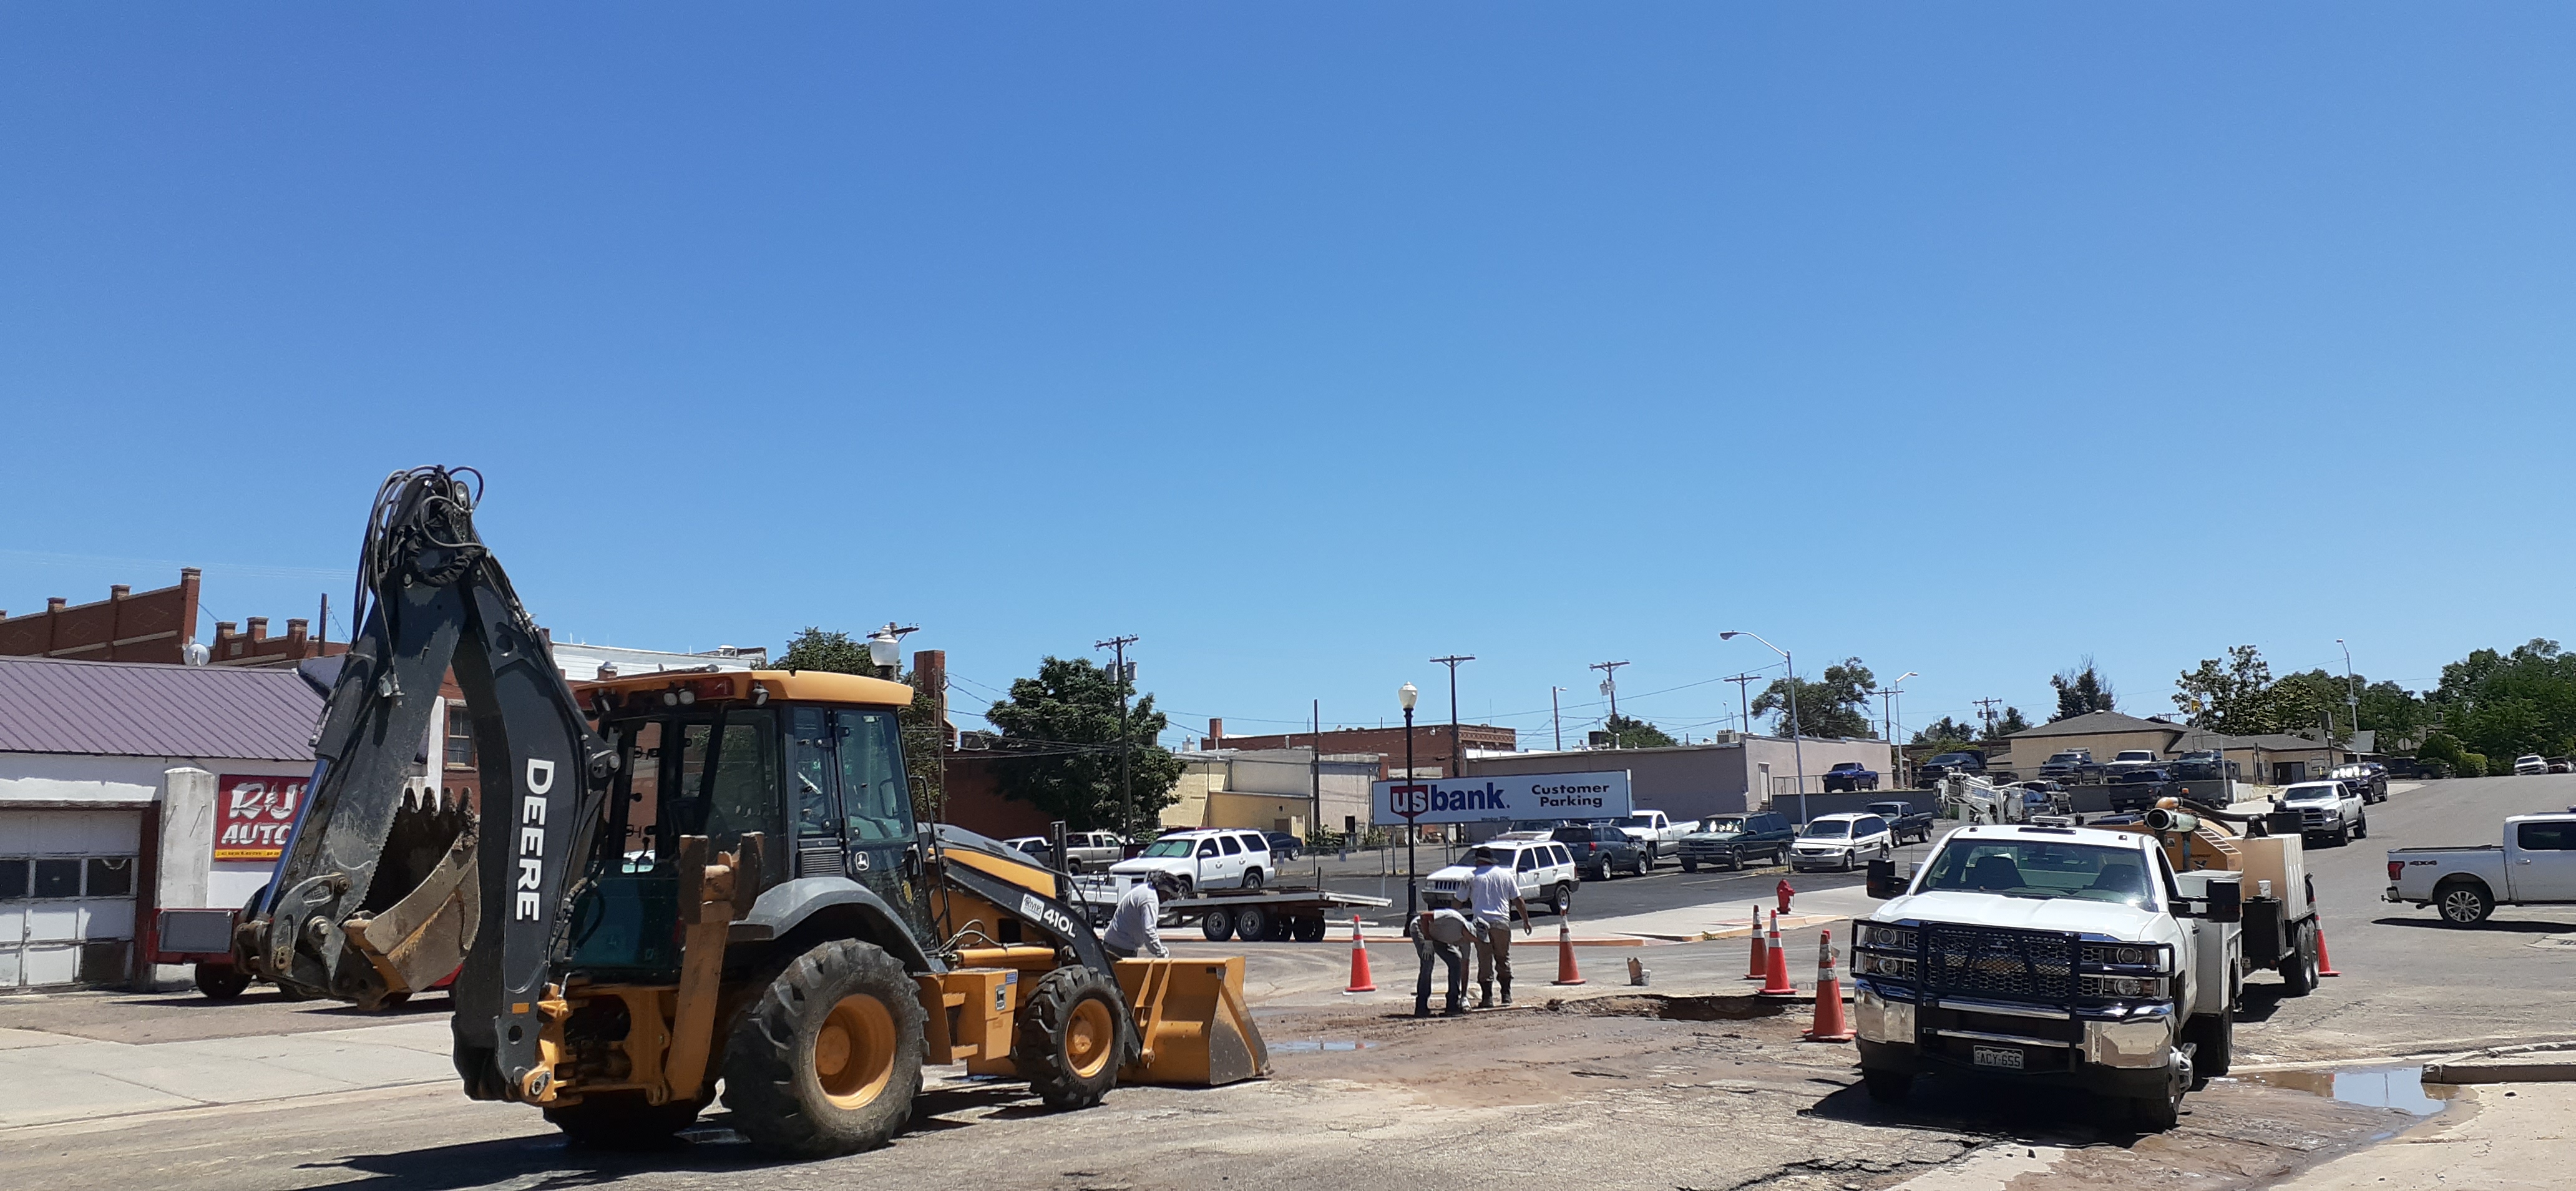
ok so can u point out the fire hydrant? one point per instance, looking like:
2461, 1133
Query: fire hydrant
1784, 891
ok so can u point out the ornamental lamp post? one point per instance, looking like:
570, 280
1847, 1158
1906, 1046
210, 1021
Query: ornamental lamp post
1404, 696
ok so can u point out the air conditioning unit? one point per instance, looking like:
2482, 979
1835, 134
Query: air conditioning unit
975, 742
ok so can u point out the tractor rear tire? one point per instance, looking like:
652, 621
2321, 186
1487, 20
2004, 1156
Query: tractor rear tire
622, 1120
1073, 1037
827, 1059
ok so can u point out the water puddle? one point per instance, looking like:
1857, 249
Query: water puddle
1308, 1046
2400, 1088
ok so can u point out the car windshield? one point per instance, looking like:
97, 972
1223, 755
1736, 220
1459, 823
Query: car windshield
1169, 847
2312, 793
1947, 758
1722, 826
2041, 869
1638, 821
2068, 757
1827, 829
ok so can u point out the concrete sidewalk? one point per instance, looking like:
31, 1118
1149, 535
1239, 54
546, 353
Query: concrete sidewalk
1731, 920
46, 1078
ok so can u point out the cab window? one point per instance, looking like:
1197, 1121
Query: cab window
1526, 861
1254, 843
1207, 848
1231, 848
809, 772
876, 801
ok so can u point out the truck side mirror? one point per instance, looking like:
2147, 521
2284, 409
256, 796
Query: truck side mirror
1883, 881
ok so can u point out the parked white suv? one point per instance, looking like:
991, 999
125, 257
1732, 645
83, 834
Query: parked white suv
1543, 869
2327, 809
1205, 859
1841, 841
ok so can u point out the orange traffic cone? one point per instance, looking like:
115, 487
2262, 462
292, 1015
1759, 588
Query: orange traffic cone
2325, 965
1565, 971
1360, 980
1759, 968
1828, 1025
1777, 983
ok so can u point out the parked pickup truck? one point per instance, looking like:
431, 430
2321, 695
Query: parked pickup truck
2535, 865
1930, 773
1655, 832
2073, 765
1733, 841
2128, 759
1904, 822
1847, 776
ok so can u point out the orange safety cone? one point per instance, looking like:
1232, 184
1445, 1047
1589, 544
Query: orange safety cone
1361, 981
1759, 969
2325, 965
1565, 970
1828, 1025
1777, 983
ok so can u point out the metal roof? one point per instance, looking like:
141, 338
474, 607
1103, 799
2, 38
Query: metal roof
2099, 723
143, 709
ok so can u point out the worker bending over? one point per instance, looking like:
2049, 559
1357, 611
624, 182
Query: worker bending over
1135, 927
1437, 936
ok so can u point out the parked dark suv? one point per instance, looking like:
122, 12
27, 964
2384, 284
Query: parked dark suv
1601, 849
1930, 773
1733, 841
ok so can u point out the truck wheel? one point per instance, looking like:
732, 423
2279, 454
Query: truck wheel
2155, 1114
2299, 970
828, 1058
1073, 1038
1887, 1087
1690, 866
2343, 834
1217, 926
2464, 903
622, 1120
1251, 923
2361, 830
2214, 1039
221, 982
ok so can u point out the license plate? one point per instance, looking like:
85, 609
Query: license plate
2006, 1057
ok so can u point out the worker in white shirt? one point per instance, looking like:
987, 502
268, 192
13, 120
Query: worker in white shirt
1437, 937
1135, 926
1495, 896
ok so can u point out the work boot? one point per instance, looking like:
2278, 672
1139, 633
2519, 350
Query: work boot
1485, 996
1422, 1011
1507, 992
1454, 1010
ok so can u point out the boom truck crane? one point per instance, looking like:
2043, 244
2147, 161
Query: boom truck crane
681, 880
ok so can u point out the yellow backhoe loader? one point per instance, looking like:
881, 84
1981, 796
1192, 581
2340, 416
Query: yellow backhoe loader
683, 882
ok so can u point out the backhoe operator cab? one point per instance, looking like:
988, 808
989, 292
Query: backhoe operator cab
685, 879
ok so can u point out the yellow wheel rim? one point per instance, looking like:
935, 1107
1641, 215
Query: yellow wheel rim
1090, 1038
854, 1051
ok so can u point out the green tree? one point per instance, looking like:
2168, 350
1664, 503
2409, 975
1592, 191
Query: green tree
2396, 714
1064, 723
2009, 722
1636, 734
1838, 705
1946, 735
2081, 689
2504, 705
924, 730
2234, 696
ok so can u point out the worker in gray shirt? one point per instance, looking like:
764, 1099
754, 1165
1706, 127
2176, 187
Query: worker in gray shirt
1135, 926
1441, 935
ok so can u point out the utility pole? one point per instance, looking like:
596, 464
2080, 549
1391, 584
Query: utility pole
2351, 688
1315, 774
1744, 709
1457, 755
1556, 716
1610, 686
1126, 745
1986, 713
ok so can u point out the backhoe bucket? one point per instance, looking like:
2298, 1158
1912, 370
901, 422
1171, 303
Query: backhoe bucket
430, 896
1191, 1022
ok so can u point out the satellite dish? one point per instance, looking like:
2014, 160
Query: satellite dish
196, 654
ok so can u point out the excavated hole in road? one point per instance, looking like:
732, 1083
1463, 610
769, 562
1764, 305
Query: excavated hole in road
2400, 1088
1736, 1008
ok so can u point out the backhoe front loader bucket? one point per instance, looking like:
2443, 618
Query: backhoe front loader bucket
1191, 1022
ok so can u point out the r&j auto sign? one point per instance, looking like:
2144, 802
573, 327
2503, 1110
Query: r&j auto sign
1517, 796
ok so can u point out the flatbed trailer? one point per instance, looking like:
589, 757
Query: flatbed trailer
1271, 913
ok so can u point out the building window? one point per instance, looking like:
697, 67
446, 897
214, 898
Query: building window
460, 737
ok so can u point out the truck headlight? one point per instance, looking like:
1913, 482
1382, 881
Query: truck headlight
1893, 938
2109, 954
2126, 987
1894, 967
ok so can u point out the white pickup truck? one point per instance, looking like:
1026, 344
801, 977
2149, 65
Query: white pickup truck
2327, 810
1656, 833
2067, 956
2534, 865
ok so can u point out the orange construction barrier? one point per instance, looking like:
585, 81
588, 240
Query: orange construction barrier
1777, 983
1565, 971
1828, 1025
2325, 965
1759, 969
1360, 980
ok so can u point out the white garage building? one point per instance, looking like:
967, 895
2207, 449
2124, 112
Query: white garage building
130, 786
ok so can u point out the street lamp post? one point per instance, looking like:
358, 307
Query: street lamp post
1797, 749
2351, 693
1405, 695
1556, 716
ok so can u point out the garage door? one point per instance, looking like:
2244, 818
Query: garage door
67, 881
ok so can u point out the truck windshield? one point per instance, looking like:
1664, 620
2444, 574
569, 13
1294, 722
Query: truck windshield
1168, 847
1638, 821
1722, 826
2312, 794
2041, 868
1828, 829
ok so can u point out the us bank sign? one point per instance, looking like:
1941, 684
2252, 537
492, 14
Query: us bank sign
1601, 795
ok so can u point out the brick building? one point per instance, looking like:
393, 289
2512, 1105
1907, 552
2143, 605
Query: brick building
1431, 754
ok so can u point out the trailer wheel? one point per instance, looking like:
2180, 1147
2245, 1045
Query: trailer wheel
622, 1120
221, 982
1280, 930
2299, 969
828, 1058
1073, 1038
1310, 930
1216, 925
1251, 923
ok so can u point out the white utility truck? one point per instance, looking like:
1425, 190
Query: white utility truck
2105, 959
2534, 865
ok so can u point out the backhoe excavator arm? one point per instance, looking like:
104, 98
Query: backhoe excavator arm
434, 598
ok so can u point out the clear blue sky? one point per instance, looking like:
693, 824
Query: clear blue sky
1308, 342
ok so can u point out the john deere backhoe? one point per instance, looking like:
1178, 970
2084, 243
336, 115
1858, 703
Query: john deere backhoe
680, 881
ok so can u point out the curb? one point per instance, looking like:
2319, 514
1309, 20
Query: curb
2492, 1071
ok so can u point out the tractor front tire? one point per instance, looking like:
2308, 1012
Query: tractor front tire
1073, 1038
221, 982
828, 1058
622, 1120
